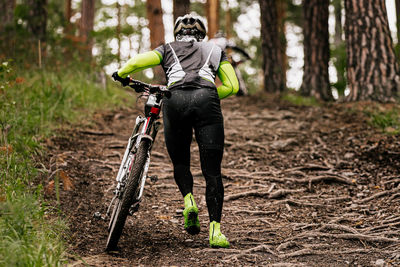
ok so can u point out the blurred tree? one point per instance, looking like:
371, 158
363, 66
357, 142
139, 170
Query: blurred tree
86, 25
212, 7
119, 31
181, 7
272, 57
6, 13
281, 11
68, 15
398, 20
372, 69
316, 50
37, 18
156, 26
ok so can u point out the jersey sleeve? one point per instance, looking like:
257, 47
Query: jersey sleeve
160, 51
140, 62
224, 57
230, 83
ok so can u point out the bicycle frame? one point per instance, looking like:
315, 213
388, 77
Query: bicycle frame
145, 128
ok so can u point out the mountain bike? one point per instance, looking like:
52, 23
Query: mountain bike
135, 163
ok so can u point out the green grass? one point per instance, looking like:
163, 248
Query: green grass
386, 120
299, 100
33, 103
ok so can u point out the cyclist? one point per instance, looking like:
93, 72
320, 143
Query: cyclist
191, 66
223, 42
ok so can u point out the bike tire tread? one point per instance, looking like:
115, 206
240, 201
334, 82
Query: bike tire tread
129, 193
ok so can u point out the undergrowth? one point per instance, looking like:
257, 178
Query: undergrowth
388, 120
33, 103
299, 100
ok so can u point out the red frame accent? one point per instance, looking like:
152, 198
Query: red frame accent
155, 110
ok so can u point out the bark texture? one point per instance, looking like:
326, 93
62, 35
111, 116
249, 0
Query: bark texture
212, 17
181, 8
156, 26
372, 70
87, 23
272, 57
398, 20
281, 11
316, 50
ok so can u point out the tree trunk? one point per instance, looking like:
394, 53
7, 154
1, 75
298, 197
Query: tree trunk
398, 20
37, 18
212, 17
181, 8
228, 22
272, 60
86, 25
6, 13
281, 11
156, 26
316, 50
118, 30
68, 15
372, 70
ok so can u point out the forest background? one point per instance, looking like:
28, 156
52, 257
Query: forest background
56, 57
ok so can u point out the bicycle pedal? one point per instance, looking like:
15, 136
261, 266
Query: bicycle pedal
153, 178
134, 208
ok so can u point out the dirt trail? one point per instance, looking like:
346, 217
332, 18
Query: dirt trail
304, 186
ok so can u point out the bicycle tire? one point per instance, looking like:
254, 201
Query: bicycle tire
132, 186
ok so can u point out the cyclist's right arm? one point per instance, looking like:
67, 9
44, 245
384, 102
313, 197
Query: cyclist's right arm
140, 62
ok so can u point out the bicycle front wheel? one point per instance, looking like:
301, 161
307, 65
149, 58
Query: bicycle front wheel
118, 217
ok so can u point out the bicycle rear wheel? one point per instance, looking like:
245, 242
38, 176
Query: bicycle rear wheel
121, 210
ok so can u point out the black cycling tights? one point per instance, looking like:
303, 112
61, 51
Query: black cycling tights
197, 109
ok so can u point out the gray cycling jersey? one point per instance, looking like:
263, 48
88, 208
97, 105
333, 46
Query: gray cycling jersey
192, 64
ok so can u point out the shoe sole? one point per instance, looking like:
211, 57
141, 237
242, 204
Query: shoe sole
193, 229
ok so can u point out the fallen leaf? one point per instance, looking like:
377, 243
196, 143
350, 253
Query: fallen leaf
67, 182
50, 187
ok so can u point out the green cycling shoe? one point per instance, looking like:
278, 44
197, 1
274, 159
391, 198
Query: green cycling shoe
217, 239
191, 215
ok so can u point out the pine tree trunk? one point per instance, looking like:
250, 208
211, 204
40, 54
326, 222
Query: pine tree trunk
281, 11
86, 25
67, 14
398, 20
272, 61
156, 26
316, 50
37, 18
372, 70
6, 13
119, 31
7, 37
212, 17
181, 8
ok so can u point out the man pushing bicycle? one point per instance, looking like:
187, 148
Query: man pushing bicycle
191, 67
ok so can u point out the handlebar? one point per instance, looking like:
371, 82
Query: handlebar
152, 89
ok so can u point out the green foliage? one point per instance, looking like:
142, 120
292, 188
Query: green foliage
339, 59
386, 120
298, 100
32, 104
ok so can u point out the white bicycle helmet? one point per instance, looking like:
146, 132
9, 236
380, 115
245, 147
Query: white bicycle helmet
190, 25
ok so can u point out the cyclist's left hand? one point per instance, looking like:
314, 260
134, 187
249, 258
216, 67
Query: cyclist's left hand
123, 81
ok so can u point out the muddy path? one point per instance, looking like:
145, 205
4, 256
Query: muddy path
304, 186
